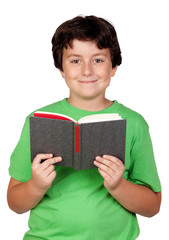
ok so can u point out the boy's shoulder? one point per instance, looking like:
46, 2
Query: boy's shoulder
131, 115
55, 107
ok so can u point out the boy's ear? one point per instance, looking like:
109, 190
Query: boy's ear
113, 71
62, 73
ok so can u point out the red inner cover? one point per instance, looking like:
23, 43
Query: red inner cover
52, 116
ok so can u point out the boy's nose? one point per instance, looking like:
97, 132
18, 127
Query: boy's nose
87, 69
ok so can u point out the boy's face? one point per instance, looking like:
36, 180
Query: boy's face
87, 69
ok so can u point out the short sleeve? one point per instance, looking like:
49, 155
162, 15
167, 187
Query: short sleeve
143, 167
20, 160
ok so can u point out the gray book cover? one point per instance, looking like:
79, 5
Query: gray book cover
59, 137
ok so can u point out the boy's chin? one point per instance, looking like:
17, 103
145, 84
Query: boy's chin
89, 97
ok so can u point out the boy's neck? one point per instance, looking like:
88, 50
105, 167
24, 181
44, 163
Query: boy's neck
90, 104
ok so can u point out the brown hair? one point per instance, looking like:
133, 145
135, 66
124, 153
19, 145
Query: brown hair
89, 28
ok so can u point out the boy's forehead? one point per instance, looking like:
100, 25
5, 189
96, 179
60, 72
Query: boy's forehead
84, 47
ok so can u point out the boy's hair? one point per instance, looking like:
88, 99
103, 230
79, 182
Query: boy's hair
89, 28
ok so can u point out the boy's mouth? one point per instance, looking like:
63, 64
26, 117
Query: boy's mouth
88, 82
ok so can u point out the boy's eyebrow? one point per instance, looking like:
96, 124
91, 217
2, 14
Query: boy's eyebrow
73, 55
78, 55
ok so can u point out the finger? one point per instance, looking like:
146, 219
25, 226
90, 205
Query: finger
105, 168
52, 176
108, 163
48, 170
40, 157
116, 164
113, 159
104, 161
50, 162
104, 175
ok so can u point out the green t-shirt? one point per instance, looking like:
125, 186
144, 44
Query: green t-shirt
78, 206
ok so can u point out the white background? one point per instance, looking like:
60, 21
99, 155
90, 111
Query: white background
29, 80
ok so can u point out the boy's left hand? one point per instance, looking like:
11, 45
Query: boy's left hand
111, 169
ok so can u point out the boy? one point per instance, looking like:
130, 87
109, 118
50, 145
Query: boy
99, 203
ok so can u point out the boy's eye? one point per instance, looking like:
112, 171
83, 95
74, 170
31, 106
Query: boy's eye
98, 60
75, 61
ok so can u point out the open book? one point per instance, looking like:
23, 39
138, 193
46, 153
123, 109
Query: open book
78, 143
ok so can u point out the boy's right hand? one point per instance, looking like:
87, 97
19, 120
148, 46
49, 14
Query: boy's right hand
43, 174
24, 196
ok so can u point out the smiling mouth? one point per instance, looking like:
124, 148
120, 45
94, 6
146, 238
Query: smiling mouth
87, 82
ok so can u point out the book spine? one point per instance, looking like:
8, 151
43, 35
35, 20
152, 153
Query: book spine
77, 148
76, 138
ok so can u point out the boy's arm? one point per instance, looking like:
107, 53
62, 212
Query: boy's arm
21, 196
135, 198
